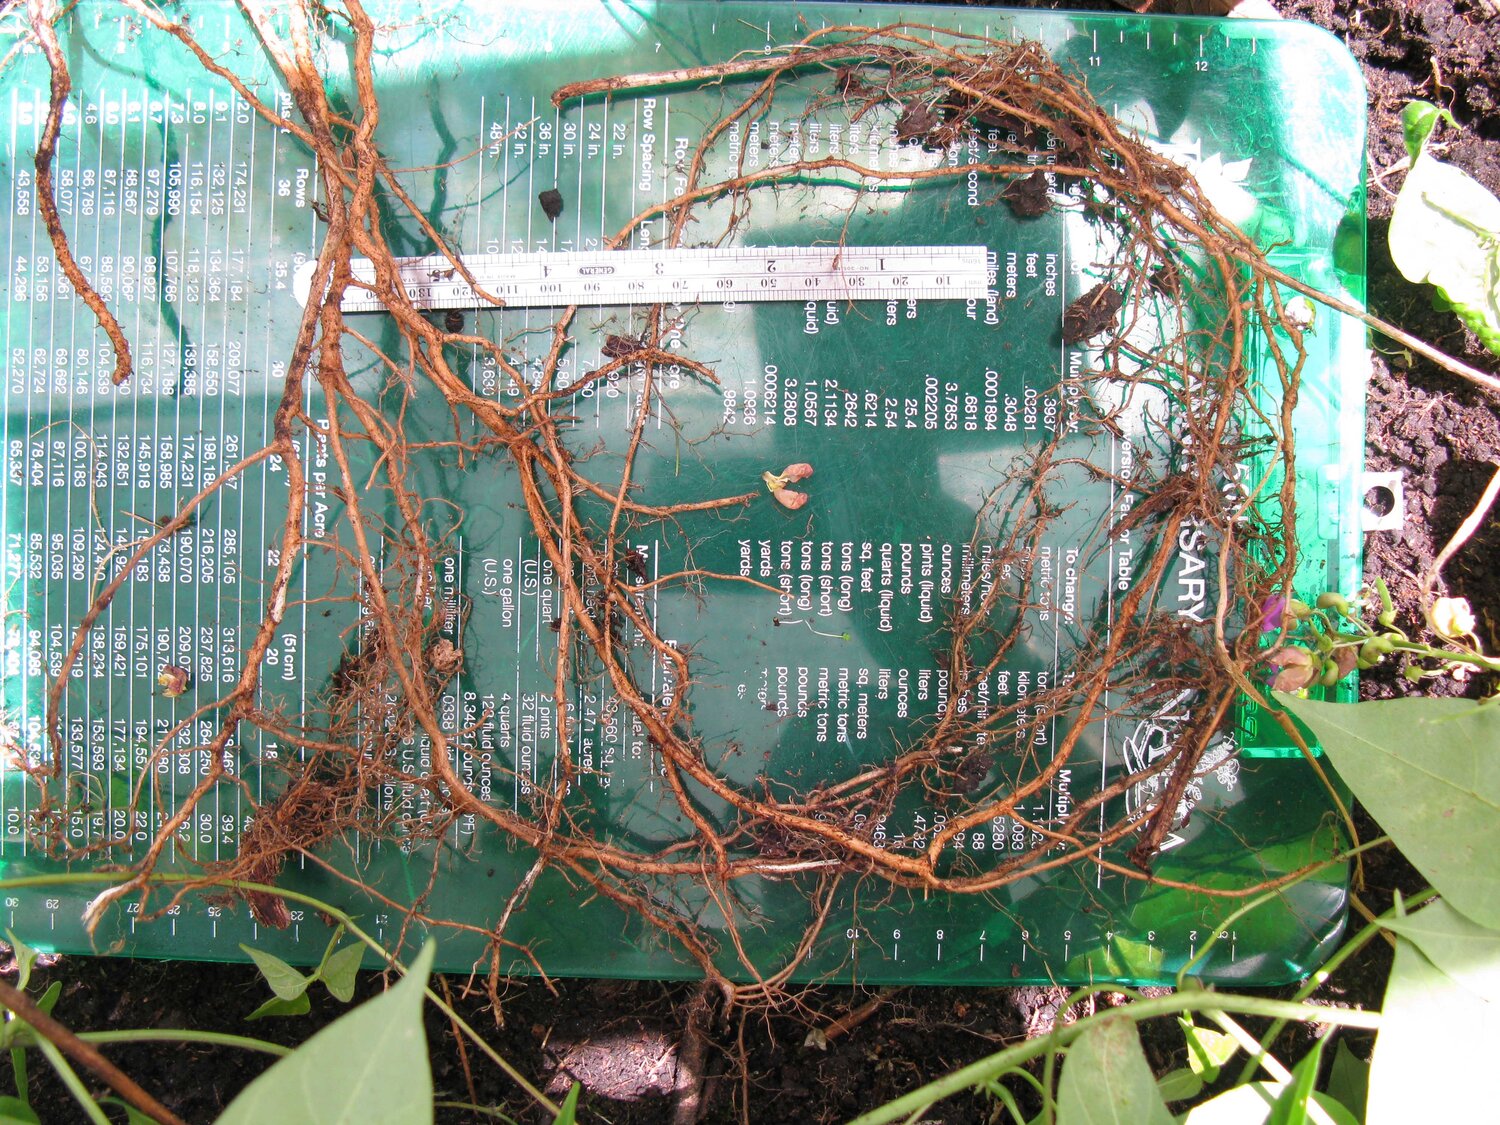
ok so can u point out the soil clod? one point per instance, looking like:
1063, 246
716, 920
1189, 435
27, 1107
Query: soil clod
1091, 314
1028, 197
916, 122
847, 83
618, 347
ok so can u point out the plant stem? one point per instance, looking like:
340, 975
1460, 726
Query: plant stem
54, 1034
1314, 982
74, 1084
1385, 328
1261, 900
482, 1110
1259, 1055
1198, 1001
1428, 652
1257, 1052
116, 877
1474, 521
163, 1035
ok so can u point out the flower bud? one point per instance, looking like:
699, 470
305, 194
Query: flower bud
1297, 668
790, 498
800, 471
174, 680
1344, 659
1452, 618
1334, 601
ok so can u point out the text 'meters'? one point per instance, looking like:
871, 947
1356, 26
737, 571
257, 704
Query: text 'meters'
680, 276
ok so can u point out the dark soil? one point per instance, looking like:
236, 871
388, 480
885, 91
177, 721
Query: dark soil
1441, 433
622, 1037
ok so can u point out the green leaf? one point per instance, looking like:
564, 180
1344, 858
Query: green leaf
1418, 120
1207, 1050
1349, 1081
1253, 1104
339, 971
1335, 1109
276, 1006
48, 999
284, 980
1466, 952
1105, 1080
1435, 1055
1244, 1105
133, 1116
13, 1111
1482, 320
1440, 195
18, 1066
568, 1113
1291, 1103
25, 959
1445, 229
368, 1066
1179, 1085
1428, 770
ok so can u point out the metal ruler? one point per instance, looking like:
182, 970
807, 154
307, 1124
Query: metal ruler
681, 276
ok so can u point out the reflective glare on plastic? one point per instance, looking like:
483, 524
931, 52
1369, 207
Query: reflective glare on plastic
192, 216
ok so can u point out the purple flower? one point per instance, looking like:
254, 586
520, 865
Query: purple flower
1272, 612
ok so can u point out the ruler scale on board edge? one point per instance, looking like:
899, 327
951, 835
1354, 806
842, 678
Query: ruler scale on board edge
681, 275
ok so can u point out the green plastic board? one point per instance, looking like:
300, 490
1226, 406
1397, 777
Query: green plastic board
192, 215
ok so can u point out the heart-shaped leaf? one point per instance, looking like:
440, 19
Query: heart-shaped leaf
276, 1006
25, 959
1418, 120
48, 999
1465, 951
1349, 1081
1106, 1081
1179, 1085
1429, 771
1208, 1050
1434, 1058
340, 970
369, 1066
1445, 230
284, 980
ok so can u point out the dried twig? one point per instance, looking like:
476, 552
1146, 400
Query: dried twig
1472, 523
